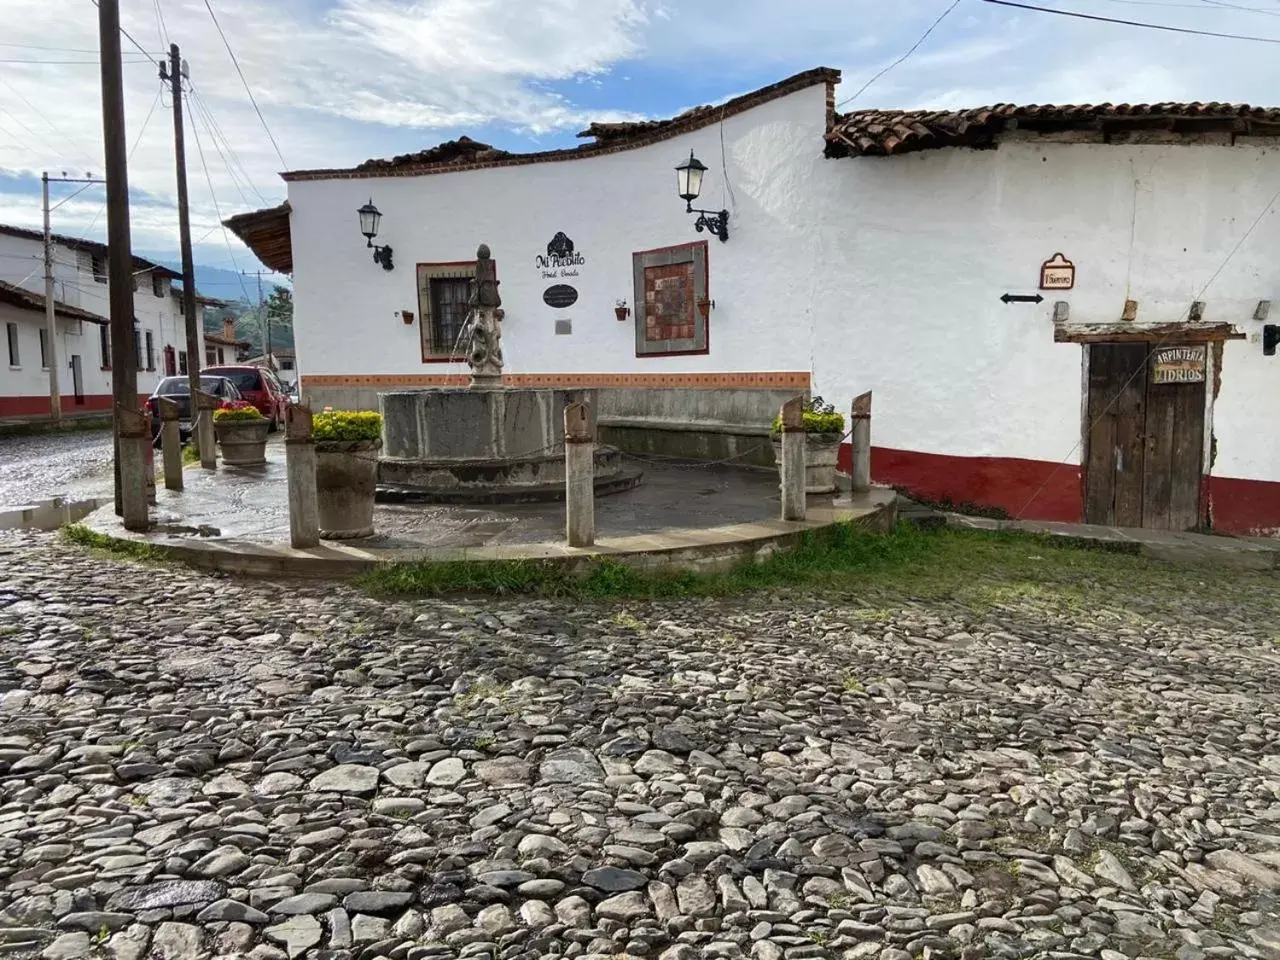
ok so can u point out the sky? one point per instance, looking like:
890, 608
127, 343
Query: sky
340, 81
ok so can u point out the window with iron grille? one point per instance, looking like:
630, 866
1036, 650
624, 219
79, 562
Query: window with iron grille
104, 344
444, 290
44, 349
151, 352
11, 333
137, 346
159, 284
98, 263
182, 362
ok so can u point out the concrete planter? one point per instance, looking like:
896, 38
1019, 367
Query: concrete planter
346, 479
243, 442
821, 450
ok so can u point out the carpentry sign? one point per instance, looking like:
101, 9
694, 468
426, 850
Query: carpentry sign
1057, 273
1178, 364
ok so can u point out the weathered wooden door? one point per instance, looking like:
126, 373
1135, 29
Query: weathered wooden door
1145, 442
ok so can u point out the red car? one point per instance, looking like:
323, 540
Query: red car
259, 386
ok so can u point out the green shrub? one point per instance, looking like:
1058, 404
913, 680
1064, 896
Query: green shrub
819, 417
347, 425
235, 410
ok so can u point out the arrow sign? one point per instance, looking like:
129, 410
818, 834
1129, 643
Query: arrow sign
1022, 298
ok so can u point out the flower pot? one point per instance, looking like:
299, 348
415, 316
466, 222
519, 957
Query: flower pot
821, 450
621, 313
243, 442
346, 476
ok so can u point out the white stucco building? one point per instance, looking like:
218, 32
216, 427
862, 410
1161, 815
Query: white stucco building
876, 251
82, 298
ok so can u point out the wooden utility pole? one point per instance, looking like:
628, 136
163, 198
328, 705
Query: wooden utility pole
131, 493
50, 314
173, 72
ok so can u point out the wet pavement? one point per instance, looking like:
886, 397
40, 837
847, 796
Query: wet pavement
46, 465
250, 504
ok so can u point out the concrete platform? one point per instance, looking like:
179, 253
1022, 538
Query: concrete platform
684, 516
1241, 553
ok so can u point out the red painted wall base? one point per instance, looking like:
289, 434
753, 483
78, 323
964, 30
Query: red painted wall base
39, 406
1040, 490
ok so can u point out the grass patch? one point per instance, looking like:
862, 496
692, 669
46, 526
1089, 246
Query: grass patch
191, 453
986, 569
81, 535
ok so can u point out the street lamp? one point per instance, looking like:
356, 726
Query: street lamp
688, 186
370, 217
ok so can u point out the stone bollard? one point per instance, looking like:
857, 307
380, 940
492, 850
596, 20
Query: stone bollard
300, 466
135, 437
861, 442
792, 465
579, 476
206, 403
170, 443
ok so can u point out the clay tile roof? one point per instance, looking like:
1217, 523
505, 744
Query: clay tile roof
467, 154
460, 151
891, 132
17, 296
266, 233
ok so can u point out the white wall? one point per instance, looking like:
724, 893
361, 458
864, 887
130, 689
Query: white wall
30, 379
925, 244
876, 274
21, 263
610, 206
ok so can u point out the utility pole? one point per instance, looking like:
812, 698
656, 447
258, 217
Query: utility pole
264, 315
174, 71
130, 429
50, 317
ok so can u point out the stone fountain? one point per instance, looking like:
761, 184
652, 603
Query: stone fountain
486, 443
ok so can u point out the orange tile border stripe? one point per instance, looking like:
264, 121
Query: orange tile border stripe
793, 379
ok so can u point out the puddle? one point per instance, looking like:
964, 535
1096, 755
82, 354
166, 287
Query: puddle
47, 514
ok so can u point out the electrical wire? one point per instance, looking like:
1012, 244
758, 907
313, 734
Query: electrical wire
72, 63
137, 140
199, 117
161, 28
128, 36
923, 37
1134, 23
16, 119
73, 195
219, 141
195, 130
226, 43
84, 153
1236, 6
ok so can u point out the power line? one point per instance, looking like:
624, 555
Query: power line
40, 46
216, 133
128, 36
226, 43
132, 150
161, 28
70, 63
1134, 23
923, 37
195, 130
1236, 6
43, 116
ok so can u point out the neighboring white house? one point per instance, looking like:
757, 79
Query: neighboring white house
82, 293
1057, 308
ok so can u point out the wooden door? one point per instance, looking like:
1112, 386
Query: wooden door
1145, 441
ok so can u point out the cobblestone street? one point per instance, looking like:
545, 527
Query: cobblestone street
193, 766
47, 464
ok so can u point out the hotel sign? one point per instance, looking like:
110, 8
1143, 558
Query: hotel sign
1057, 273
1178, 364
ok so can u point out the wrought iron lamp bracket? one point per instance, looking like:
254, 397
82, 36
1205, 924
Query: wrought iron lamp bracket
381, 256
715, 222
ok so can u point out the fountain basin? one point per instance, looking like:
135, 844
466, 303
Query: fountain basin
502, 445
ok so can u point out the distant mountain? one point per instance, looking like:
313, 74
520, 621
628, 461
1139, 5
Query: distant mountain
216, 281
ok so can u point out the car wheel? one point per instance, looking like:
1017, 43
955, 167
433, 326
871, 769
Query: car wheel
275, 424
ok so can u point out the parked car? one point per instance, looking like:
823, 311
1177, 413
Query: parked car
259, 386
178, 389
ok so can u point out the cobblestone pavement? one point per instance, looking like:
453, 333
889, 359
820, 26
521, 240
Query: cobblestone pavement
192, 766
40, 466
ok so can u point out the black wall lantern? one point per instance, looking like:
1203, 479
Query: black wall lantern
370, 217
689, 185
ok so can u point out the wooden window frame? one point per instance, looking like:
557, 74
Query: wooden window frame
697, 253
426, 272
14, 348
104, 345
42, 335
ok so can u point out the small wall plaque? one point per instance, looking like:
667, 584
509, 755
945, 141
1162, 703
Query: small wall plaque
560, 295
564, 328
1057, 273
1178, 364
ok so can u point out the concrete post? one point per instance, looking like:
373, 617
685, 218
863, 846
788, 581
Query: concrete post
135, 437
579, 476
861, 468
170, 443
300, 466
206, 403
792, 466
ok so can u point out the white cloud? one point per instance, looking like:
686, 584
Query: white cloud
344, 80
